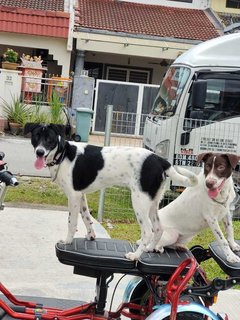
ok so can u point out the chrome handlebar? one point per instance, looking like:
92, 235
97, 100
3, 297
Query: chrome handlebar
6, 179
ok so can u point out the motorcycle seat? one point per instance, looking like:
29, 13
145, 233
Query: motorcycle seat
232, 269
92, 257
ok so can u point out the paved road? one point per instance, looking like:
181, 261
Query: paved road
28, 264
20, 157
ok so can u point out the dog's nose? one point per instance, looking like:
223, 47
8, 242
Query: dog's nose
210, 183
40, 152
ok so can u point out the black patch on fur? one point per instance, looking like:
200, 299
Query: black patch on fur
46, 136
152, 173
71, 151
86, 167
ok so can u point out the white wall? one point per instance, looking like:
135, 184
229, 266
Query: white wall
10, 86
57, 47
196, 4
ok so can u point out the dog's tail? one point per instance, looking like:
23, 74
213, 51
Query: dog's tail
182, 176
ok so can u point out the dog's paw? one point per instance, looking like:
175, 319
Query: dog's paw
233, 258
68, 240
159, 249
91, 235
235, 247
65, 242
131, 256
150, 247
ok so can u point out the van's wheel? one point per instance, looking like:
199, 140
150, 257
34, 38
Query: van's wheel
76, 137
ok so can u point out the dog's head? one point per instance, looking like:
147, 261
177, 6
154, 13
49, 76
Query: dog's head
217, 169
47, 140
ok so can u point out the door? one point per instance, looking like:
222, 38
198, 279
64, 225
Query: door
215, 127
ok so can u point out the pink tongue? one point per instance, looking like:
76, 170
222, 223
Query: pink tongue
213, 193
39, 163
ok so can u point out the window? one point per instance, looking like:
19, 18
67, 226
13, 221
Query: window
128, 75
222, 100
170, 91
233, 4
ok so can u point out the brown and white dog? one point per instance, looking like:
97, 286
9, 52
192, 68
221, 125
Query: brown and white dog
201, 206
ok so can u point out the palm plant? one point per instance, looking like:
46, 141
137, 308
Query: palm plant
56, 110
15, 111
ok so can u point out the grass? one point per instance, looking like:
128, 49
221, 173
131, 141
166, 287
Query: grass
42, 191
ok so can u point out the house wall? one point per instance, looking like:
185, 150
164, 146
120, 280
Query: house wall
220, 6
56, 47
195, 4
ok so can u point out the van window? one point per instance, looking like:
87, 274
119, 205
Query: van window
222, 101
170, 91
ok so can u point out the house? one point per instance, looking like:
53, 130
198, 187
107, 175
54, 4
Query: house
39, 28
137, 40
229, 14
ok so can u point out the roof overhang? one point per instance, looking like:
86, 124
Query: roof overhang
126, 44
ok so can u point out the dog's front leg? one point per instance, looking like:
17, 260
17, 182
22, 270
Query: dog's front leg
230, 233
141, 207
230, 256
74, 209
87, 219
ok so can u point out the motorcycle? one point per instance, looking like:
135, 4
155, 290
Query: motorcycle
168, 286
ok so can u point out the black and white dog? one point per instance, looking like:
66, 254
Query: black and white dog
201, 206
80, 168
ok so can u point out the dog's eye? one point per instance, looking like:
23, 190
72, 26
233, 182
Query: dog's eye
221, 168
207, 167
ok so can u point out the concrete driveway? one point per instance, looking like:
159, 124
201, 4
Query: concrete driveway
28, 264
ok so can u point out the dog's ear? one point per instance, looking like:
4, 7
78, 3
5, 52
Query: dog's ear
29, 127
233, 159
58, 128
202, 157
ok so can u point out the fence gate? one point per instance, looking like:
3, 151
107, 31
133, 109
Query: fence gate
131, 103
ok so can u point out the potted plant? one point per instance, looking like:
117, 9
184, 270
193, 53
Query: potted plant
16, 113
10, 58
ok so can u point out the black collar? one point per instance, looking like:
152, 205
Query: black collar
58, 158
223, 203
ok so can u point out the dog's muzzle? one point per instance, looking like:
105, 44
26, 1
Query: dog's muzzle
40, 152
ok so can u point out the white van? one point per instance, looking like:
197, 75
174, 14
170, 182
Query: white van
197, 108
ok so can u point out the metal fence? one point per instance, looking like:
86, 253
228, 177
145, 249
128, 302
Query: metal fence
39, 91
118, 200
128, 123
